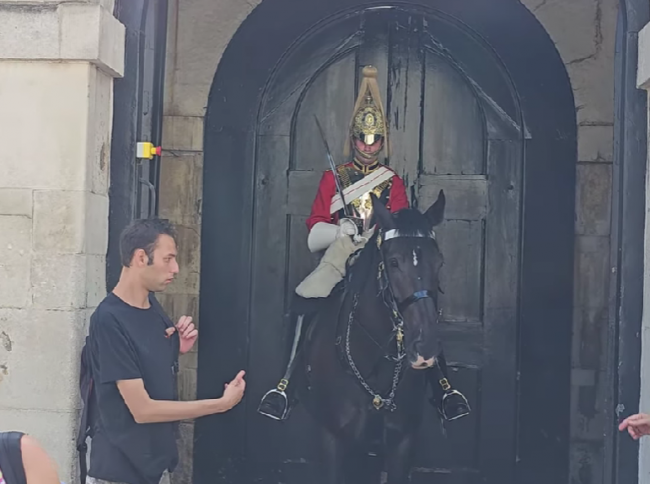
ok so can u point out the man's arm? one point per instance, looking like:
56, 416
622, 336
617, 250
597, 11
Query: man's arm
320, 209
146, 410
39, 466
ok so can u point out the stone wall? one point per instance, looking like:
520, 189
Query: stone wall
583, 31
57, 61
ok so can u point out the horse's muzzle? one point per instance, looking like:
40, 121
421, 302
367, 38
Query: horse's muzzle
421, 364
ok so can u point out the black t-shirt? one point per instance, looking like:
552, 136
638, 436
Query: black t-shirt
130, 343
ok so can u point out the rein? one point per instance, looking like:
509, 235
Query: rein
396, 308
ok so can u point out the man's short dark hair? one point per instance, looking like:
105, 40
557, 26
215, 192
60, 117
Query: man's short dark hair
143, 234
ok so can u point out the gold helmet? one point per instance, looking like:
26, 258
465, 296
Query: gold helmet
368, 121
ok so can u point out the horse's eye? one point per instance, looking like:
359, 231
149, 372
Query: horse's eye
393, 263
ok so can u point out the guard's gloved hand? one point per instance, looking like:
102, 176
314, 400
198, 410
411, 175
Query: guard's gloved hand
347, 227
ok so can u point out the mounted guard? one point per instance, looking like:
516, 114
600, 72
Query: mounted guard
340, 224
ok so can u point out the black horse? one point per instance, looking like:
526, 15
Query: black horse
368, 342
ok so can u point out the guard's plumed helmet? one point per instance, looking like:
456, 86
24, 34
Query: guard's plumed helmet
368, 122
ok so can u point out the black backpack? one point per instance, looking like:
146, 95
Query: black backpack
87, 419
11, 458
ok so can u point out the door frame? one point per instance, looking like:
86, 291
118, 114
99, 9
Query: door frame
548, 224
627, 245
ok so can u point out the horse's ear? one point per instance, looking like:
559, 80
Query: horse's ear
382, 214
436, 212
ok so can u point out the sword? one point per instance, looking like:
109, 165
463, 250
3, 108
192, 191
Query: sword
339, 188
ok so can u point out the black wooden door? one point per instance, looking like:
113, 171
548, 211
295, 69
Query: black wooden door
455, 126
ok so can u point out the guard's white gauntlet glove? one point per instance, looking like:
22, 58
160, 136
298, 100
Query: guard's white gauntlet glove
347, 227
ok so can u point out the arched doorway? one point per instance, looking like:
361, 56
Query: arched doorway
467, 114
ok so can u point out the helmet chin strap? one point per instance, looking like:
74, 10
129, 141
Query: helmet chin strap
365, 157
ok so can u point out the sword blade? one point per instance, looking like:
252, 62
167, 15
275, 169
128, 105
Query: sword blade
337, 181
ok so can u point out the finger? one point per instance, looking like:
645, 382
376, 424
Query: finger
183, 322
169, 332
184, 332
240, 375
639, 417
190, 332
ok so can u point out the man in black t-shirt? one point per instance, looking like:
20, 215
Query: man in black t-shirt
134, 348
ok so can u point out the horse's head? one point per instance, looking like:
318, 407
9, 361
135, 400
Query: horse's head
412, 261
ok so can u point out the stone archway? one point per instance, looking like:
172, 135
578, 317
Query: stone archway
543, 94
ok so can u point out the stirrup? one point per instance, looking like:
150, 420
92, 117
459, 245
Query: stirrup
275, 402
460, 409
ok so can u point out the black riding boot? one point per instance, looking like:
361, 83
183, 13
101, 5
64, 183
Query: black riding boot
276, 402
450, 403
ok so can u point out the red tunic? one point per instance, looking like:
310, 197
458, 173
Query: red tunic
320, 210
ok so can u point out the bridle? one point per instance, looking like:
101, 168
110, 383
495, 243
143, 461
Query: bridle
396, 309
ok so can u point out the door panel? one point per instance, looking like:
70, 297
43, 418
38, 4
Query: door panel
447, 132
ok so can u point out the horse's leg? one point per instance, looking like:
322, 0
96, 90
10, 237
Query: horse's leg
332, 460
398, 457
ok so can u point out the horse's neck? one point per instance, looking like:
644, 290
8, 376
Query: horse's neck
372, 312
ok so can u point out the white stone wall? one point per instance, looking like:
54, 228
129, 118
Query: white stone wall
57, 62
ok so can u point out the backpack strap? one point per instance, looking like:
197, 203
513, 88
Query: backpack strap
85, 421
176, 348
11, 458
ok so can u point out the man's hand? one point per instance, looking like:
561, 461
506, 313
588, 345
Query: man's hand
347, 227
234, 391
186, 331
637, 425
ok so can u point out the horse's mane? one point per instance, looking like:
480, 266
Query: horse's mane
408, 222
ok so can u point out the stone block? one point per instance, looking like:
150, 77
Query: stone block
35, 97
596, 143
79, 31
189, 259
100, 111
183, 133
643, 68
574, 26
16, 201
590, 333
15, 244
59, 221
55, 431
29, 32
183, 472
95, 279
89, 32
189, 360
181, 188
586, 463
70, 222
593, 199
592, 81
588, 405
39, 354
204, 30
59, 281
592, 272
187, 384
96, 224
